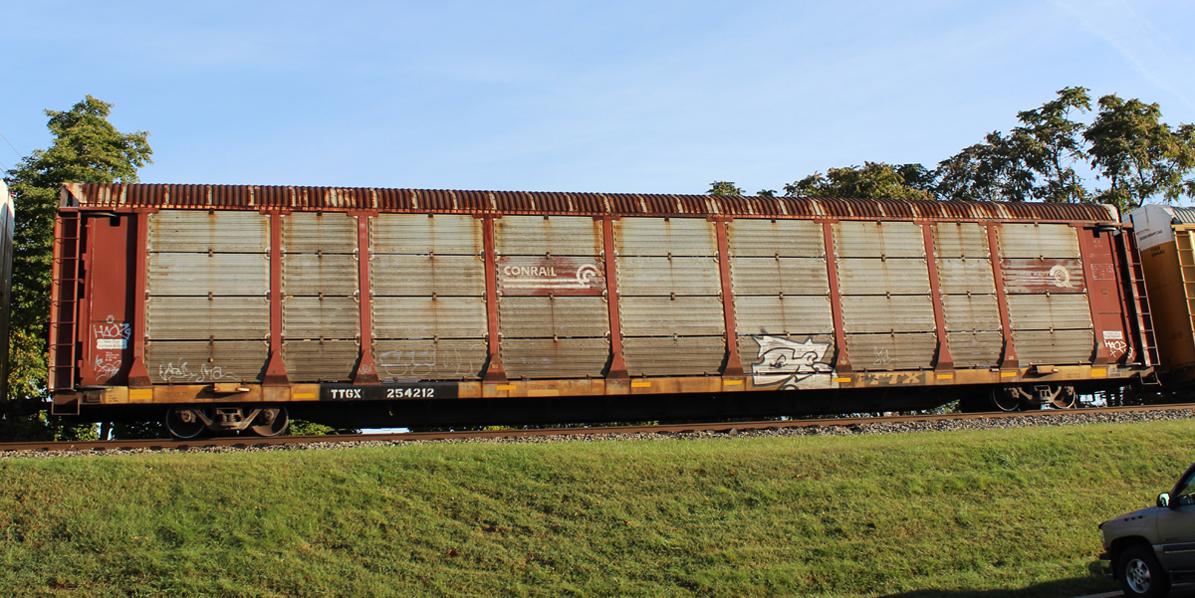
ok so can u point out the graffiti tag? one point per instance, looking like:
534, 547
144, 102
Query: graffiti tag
787, 364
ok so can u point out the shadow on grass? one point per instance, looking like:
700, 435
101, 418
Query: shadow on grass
1092, 583
1078, 586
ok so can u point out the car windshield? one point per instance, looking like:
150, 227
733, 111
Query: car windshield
1186, 490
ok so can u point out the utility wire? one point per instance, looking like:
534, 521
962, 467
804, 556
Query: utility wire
10, 146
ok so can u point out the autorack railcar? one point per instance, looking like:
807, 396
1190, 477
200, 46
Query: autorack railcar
233, 307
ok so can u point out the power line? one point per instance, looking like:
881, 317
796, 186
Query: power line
10, 145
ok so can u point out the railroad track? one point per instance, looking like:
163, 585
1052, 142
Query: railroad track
614, 430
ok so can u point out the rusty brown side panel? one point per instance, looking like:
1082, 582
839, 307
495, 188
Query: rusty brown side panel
117, 240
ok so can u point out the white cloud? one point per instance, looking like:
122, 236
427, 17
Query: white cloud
1146, 48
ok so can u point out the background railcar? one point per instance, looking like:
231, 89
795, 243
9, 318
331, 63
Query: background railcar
1166, 239
230, 306
7, 224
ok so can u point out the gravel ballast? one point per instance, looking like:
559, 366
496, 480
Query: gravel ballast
880, 426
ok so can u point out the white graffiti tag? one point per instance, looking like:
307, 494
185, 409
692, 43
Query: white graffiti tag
786, 363
182, 372
111, 339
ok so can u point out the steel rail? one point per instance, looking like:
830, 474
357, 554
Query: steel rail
611, 430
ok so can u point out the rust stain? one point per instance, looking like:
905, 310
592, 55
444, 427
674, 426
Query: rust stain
1043, 275
269, 197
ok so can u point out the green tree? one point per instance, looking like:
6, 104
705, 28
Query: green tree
1034, 161
85, 148
876, 180
1140, 156
766, 193
987, 171
724, 188
1050, 142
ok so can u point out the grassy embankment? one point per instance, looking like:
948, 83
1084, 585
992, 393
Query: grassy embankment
933, 514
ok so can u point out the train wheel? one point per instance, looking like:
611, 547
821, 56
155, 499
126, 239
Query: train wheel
184, 424
270, 422
1064, 397
1007, 399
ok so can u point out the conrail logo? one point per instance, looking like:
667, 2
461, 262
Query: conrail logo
549, 276
1060, 277
530, 271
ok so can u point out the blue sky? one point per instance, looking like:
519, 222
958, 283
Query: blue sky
602, 96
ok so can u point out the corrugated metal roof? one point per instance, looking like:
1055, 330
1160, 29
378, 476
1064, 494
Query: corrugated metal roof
264, 197
1183, 215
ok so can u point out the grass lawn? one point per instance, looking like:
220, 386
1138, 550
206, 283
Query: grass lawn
921, 514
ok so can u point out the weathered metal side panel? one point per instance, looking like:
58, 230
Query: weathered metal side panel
1023, 240
664, 316
776, 238
961, 276
320, 360
782, 275
424, 275
781, 290
319, 274
430, 359
218, 273
665, 237
319, 232
975, 348
1045, 288
320, 310
425, 234
553, 319
972, 312
887, 310
428, 286
892, 351
960, 240
206, 311
665, 276
204, 361
878, 239
1044, 312
429, 317
186, 231
783, 315
865, 276
1024, 275
548, 317
667, 356
880, 313
203, 318
548, 235
313, 318
968, 288
555, 358
1054, 347
668, 280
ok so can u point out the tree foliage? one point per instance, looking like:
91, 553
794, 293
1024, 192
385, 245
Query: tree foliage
85, 148
872, 180
1124, 155
727, 188
1035, 161
1139, 156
